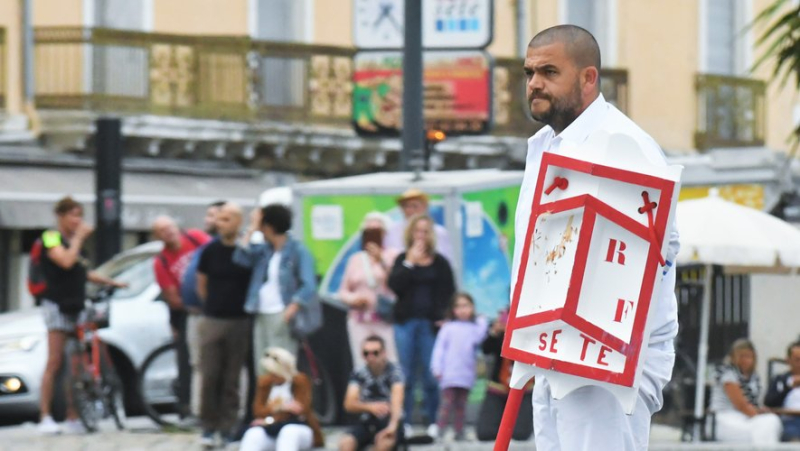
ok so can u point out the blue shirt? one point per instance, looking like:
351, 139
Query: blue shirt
296, 275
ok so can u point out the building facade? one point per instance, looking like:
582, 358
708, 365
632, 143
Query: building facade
225, 98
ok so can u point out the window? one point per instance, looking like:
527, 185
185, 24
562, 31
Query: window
118, 70
120, 14
282, 80
280, 20
726, 43
597, 16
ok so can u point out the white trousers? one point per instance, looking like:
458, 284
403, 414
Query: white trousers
591, 419
292, 437
734, 426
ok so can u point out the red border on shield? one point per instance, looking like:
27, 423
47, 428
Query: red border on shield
592, 207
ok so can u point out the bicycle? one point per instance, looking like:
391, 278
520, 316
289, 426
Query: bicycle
92, 381
158, 385
322, 394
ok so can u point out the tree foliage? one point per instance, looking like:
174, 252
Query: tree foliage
780, 42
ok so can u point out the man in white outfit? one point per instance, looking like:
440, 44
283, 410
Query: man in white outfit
562, 67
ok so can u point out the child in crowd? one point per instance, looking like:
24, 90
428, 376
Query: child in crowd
454, 361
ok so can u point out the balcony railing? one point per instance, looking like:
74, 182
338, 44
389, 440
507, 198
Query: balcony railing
731, 112
233, 78
223, 78
3, 67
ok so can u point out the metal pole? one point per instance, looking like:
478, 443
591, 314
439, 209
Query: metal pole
108, 182
27, 52
522, 28
702, 355
413, 122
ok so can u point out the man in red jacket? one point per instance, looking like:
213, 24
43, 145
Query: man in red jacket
169, 266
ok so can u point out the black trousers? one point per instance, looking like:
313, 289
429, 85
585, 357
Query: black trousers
492, 412
177, 320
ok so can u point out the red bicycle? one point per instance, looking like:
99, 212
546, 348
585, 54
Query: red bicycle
93, 384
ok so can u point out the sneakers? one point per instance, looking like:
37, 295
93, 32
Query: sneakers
48, 426
207, 440
408, 431
74, 427
433, 430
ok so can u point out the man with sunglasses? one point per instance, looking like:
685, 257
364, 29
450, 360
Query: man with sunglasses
376, 393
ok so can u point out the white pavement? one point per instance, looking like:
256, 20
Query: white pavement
143, 435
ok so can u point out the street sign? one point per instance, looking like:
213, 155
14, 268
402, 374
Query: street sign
446, 24
457, 92
592, 265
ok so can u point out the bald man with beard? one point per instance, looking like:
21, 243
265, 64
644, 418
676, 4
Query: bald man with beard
224, 327
562, 69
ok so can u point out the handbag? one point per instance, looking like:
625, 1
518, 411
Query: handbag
309, 317
274, 429
385, 305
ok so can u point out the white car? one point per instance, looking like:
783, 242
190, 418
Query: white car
138, 325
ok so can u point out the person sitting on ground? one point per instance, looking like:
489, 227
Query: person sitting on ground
282, 407
784, 392
376, 393
734, 399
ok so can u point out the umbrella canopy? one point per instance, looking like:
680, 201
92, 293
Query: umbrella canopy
715, 231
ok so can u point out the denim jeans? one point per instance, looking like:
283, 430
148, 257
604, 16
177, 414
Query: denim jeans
414, 339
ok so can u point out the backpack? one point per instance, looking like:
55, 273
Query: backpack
37, 284
188, 289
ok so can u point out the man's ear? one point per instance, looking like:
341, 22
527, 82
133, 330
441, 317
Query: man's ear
590, 78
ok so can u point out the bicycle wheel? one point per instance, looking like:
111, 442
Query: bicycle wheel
113, 392
157, 385
81, 386
322, 394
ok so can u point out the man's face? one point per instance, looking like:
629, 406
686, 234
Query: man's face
167, 232
210, 220
374, 355
553, 87
794, 360
413, 207
71, 220
228, 223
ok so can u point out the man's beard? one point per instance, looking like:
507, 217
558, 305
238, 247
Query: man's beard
562, 111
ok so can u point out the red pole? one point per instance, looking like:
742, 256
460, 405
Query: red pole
509, 420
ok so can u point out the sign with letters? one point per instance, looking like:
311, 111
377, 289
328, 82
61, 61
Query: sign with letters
591, 265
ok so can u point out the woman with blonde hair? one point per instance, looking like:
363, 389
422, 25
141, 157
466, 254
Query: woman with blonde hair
284, 420
735, 400
423, 282
364, 289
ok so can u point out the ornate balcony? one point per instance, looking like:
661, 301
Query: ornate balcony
731, 112
3, 68
233, 95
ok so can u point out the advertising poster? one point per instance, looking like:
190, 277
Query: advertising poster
457, 92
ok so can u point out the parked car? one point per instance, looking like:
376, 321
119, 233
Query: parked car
138, 325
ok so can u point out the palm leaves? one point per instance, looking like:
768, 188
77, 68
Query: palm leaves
781, 43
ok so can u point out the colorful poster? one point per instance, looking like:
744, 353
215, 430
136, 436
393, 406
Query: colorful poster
457, 92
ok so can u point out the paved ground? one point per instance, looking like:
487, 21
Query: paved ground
143, 436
